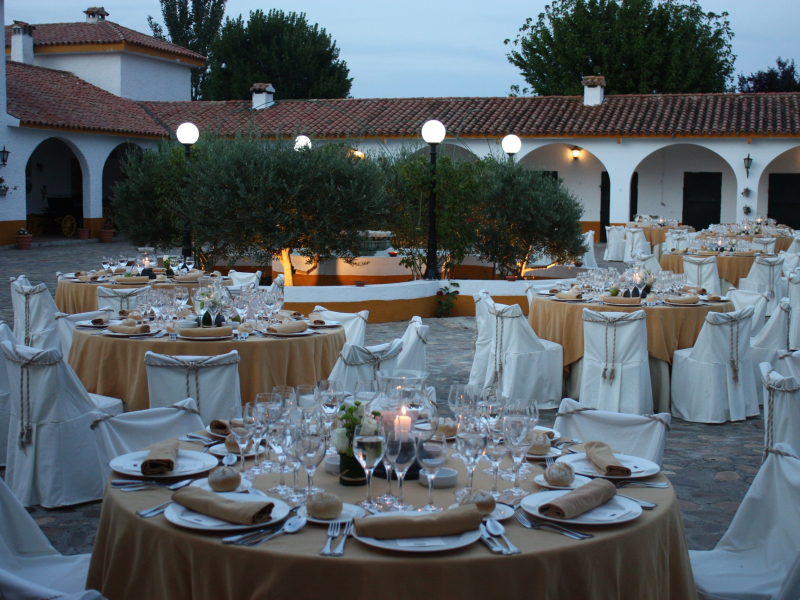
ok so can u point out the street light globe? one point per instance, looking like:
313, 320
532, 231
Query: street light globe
433, 132
511, 144
301, 142
187, 133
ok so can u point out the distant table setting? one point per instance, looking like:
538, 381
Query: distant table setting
731, 266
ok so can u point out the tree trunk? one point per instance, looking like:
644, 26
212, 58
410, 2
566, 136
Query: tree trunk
286, 261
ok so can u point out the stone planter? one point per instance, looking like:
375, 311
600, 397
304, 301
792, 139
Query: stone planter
24, 241
83, 234
106, 235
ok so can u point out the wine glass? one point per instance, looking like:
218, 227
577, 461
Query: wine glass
106, 263
267, 403
276, 436
329, 400
259, 431
242, 422
400, 451
496, 451
122, 261
431, 454
306, 399
297, 494
369, 444
189, 262
310, 449
365, 390
517, 430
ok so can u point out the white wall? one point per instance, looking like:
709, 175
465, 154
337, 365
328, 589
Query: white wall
102, 69
788, 162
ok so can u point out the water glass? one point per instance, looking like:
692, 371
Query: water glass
471, 447
310, 450
242, 422
369, 445
400, 452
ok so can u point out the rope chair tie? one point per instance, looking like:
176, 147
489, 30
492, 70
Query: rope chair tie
97, 422
193, 366
659, 419
499, 358
771, 389
27, 294
375, 359
734, 360
613, 322
574, 411
422, 339
25, 418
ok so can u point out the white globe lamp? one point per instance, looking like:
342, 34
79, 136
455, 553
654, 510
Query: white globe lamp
301, 142
187, 133
511, 144
433, 132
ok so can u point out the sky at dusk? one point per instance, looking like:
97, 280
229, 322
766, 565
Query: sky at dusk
439, 47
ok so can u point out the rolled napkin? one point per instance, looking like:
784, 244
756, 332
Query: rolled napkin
159, 270
102, 272
316, 319
745, 253
162, 459
133, 279
198, 332
214, 505
600, 455
135, 329
694, 289
707, 253
290, 314
690, 299
246, 327
81, 273
220, 427
100, 320
619, 300
290, 327
570, 295
580, 500
88, 278
129, 322
189, 277
554, 290
682, 251
448, 522
714, 297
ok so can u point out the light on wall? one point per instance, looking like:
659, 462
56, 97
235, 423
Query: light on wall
748, 162
4, 157
576, 153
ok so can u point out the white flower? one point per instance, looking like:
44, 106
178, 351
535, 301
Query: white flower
339, 440
368, 426
361, 411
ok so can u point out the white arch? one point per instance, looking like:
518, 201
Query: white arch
786, 162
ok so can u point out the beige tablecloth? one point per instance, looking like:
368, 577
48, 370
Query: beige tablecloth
115, 366
658, 235
669, 328
730, 268
150, 558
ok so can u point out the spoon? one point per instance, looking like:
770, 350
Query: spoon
229, 459
293, 525
496, 528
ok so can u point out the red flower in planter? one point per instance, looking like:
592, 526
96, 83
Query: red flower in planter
440, 293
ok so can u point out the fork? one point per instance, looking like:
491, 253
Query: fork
561, 445
348, 530
662, 485
333, 532
548, 461
525, 522
155, 511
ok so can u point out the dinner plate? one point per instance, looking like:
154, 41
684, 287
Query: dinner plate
222, 450
119, 282
556, 433
189, 463
349, 512
616, 510
289, 335
185, 517
578, 482
572, 299
328, 324
205, 339
678, 304
448, 542
500, 513
552, 453
127, 335
640, 467
203, 483
88, 324
216, 435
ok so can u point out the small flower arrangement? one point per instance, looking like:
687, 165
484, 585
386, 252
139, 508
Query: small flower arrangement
351, 415
3, 186
108, 225
747, 209
22, 230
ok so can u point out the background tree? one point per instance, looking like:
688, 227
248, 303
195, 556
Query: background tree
192, 26
783, 79
641, 46
299, 59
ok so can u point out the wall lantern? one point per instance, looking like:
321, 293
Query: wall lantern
4, 157
748, 162
301, 142
576, 153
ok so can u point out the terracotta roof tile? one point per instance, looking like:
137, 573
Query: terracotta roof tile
102, 32
49, 98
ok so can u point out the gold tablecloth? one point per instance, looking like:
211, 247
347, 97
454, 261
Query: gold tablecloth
150, 558
730, 268
782, 242
669, 328
658, 235
115, 367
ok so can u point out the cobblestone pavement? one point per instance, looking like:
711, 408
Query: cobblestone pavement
711, 466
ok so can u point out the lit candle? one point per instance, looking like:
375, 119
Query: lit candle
402, 425
146, 263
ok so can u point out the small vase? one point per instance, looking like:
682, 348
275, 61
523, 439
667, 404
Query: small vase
350, 471
206, 320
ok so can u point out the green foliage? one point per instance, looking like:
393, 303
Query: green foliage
446, 300
783, 79
641, 46
192, 26
299, 59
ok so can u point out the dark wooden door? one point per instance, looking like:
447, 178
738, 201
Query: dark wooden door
702, 199
634, 196
784, 199
605, 204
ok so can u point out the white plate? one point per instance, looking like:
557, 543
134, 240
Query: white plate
221, 450
578, 482
328, 324
445, 478
449, 542
349, 512
585, 299
556, 433
616, 510
120, 282
88, 324
189, 463
500, 513
205, 339
288, 335
216, 435
184, 517
203, 483
678, 304
544, 294
552, 453
640, 467
127, 335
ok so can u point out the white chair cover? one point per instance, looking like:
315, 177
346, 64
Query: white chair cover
358, 362
119, 298
483, 337
6, 335
702, 271
34, 314
66, 325
213, 381
644, 436
635, 242
790, 261
355, 324
781, 408
413, 356
789, 364
648, 261
744, 298
712, 382
26, 556
765, 277
616, 368
615, 243
277, 284
49, 461
757, 557
770, 343
522, 366
133, 431
589, 259
676, 239
793, 283
247, 279
794, 247
766, 245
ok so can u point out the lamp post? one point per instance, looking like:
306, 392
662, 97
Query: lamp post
301, 142
187, 134
433, 133
511, 144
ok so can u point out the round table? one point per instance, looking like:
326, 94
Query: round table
113, 366
731, 268
658, 235
73, 297
782, 242
151, 558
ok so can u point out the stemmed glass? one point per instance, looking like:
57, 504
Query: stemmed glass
365, 390
329, 399
496, 451
259, 431
297, 495
106, 263
310, 449
276, 436
431, 454
122, 261
517, 430
400, 451
189, 262
242, 422
369, 444
471, 444
306, 399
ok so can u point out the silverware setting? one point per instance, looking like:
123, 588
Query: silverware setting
152, 486
496, 529
348, 530
249, 535
491, 543
561, 445
293, 525
527, 523
155, 511
662, 485
333, 532
643, 503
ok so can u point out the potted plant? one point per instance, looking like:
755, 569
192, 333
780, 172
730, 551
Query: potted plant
351, 415
83, 233
107, 232
23, 238
3, 186
747, 209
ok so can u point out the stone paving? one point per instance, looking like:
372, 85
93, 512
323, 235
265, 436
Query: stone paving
711, 466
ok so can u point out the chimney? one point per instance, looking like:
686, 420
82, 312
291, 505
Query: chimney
262, 95
95, 14
593, 86
22, 43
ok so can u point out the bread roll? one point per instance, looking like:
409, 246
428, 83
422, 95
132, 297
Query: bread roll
559, 474
448, 427
224, 479
324, 506
232, 446
482, 499
540, 445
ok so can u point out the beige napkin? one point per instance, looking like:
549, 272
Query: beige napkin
159, 270
219, 427
690, 299
580, 500
569, 295
119, 270
290, 327
102, 272
100, 320
745, 253
316, 319
448, 522
600, 455
683, 251
214, 505
128, 329
714, 298
133, 279
290, 314
162, 459
88, 278
190, 277
206, 332
694, 289
620, 300
707, 253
